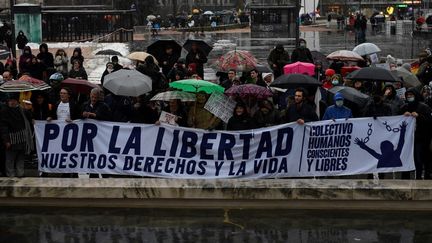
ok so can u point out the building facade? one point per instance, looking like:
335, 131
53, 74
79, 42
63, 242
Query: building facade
274, 18
397, 7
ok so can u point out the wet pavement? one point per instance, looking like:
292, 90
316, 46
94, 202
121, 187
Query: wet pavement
321, 39
144, 225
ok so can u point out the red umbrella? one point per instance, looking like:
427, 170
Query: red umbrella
249, 90
79, 85
238, 59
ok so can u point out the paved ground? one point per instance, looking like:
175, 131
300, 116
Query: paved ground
318, 37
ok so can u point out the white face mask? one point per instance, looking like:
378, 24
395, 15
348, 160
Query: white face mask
410, 99
334, 82
339, 103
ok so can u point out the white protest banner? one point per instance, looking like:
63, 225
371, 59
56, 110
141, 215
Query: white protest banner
325, 148
220, 106
385, 66
374, 58
401, 93
168, 118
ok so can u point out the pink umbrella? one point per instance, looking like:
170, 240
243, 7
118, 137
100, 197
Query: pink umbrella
300, 67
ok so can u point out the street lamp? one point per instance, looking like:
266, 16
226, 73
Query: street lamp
12, 23
314, 11
360, 6
412, 26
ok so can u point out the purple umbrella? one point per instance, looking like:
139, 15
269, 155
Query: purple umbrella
249, 90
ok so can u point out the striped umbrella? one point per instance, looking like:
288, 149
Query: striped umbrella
174, 95
249, 90
239, 60
37, 83
25, 83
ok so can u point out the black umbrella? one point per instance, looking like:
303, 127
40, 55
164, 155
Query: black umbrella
206, 48
318, 56
263, 68
295, 80
351, 94
109, 52
157, 48
373, 74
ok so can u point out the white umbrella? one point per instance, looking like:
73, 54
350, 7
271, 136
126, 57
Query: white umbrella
208, 12
345, 55
126, 82
151, 17
366, 49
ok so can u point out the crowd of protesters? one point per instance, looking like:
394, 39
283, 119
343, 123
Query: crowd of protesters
296, 105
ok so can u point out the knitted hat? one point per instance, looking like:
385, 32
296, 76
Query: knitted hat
330, 72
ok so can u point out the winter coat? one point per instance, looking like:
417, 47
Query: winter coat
243, 122
21, 40
377, 109
81, 73
423, 132
61, 64
79, 57
304, 111
266, 120
45, 56
171, 60
301, 54
121, 107
37, 70
101, 109
336, 112
278, 57
12, 124
393, 101
199, 61
145, 114
25, 60
199, 117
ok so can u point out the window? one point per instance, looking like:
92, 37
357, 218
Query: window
265, 16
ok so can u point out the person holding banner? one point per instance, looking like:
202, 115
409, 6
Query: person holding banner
17, 135
423, 133
338, 110
300, 111
199, 117
96, 108
65, 109
266, 115
240, 120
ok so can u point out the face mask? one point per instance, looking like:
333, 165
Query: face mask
109, 69
334, 82
410, 99
302, 45
339, 103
